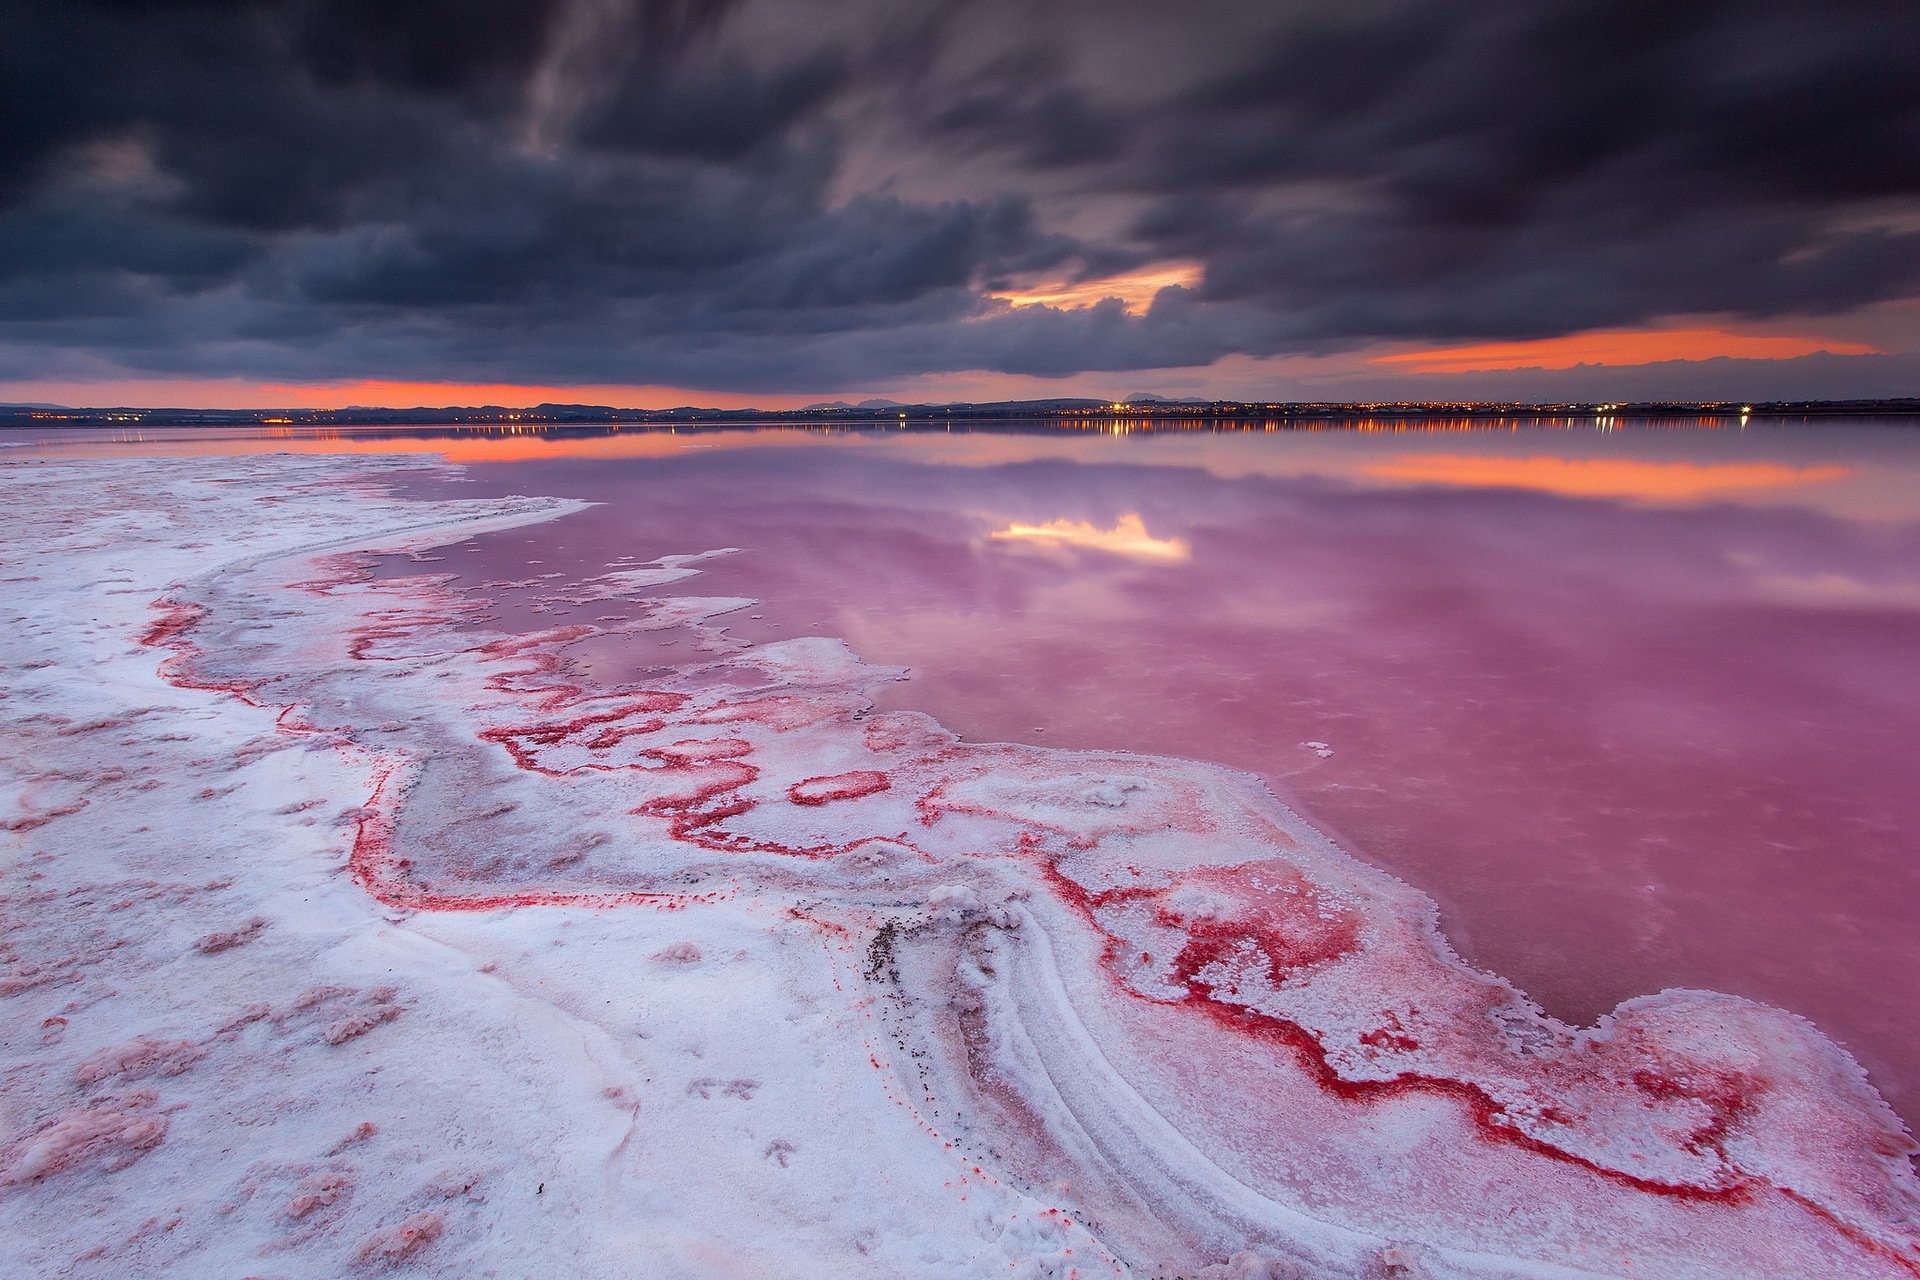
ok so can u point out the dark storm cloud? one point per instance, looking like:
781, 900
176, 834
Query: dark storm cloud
758, 195
477, 51
1517, 169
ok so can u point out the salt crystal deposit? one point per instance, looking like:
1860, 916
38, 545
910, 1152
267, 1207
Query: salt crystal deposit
346, 934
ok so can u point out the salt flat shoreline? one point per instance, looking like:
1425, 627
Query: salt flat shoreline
265, 1013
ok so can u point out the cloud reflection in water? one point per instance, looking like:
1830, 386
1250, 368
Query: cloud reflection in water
1128, 537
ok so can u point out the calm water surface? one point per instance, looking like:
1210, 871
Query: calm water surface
1638, 705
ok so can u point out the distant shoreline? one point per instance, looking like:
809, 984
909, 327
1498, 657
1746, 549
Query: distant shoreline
1157, 413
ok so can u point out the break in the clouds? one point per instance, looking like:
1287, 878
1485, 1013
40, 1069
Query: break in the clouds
768, 196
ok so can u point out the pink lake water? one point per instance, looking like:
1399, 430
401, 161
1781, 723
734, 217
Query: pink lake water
1637, 704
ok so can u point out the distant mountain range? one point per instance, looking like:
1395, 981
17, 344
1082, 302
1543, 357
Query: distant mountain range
842, 404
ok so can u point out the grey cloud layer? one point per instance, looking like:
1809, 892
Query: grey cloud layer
766, 196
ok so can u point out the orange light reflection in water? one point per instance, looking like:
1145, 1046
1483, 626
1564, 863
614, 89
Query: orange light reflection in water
1128, 537
482, 444
1854, 471
1602, 477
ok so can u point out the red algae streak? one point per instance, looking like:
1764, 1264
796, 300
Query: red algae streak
841, 786
107, 1134
399, 1243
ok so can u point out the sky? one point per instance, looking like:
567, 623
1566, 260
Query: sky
267, 203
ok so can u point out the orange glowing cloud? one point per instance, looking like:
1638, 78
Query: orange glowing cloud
1619, 347
1135, 289
1602, 477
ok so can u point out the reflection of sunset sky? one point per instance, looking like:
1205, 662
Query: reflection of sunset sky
1850, 468
1127, 537
1603, 477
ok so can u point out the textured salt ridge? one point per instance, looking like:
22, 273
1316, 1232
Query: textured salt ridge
1104, 991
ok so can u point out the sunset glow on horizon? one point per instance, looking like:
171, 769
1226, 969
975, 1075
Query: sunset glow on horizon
1332, 377
234, 393
1619, 347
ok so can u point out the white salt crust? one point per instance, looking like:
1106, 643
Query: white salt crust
343, 935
